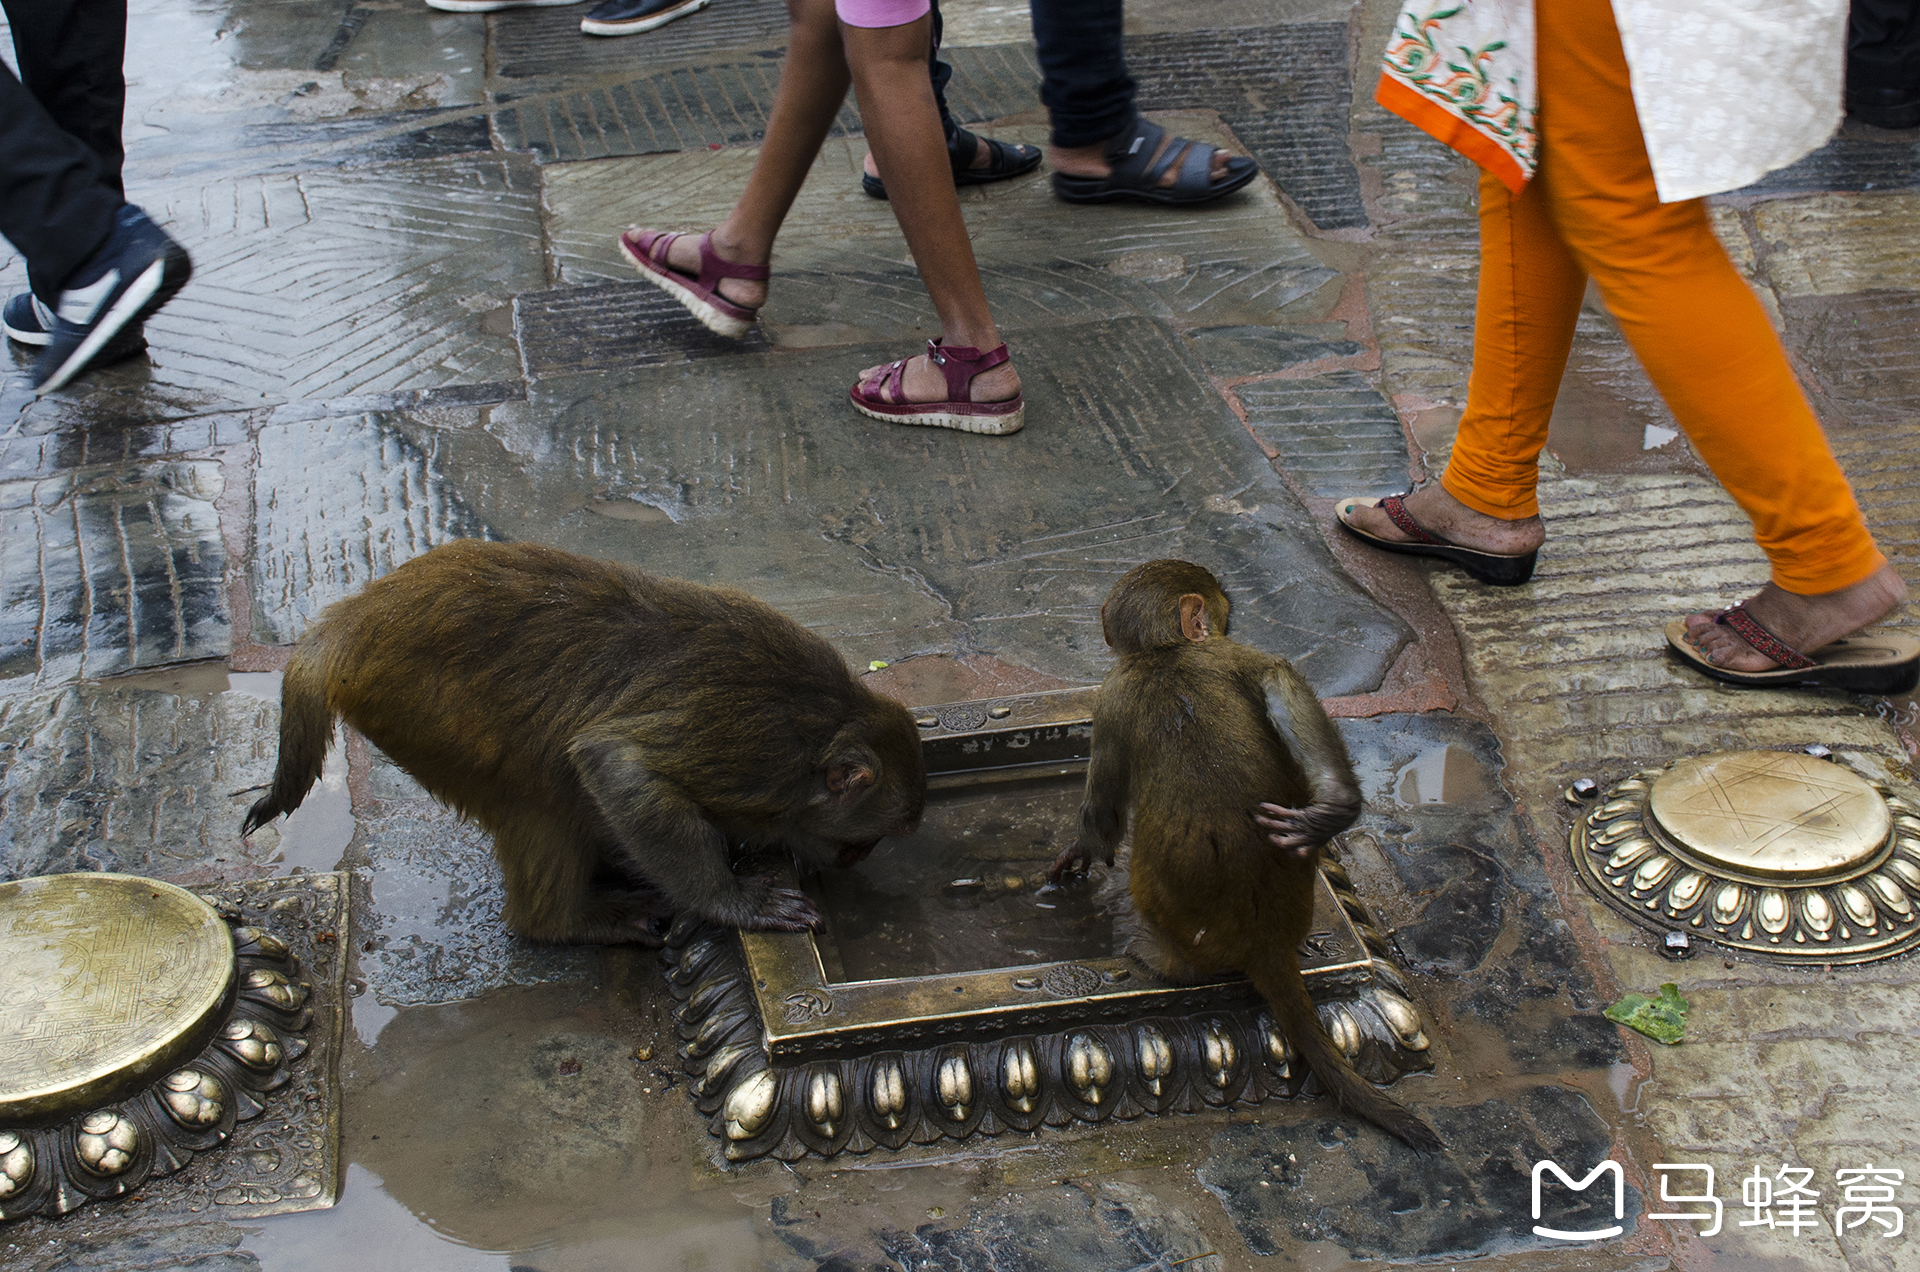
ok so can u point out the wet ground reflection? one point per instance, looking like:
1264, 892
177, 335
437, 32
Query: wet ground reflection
968, 892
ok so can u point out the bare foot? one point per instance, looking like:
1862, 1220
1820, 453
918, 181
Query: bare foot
1091, 161
683, 257
924, 382
1453, 521
1803, 622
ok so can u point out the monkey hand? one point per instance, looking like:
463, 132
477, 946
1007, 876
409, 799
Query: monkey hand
782, 910
1076, 860
1298, 831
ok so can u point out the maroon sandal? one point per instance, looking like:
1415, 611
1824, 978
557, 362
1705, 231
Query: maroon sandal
960, 365
648, 249
1864, 662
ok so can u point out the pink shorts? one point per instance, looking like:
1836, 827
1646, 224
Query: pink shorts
881, 13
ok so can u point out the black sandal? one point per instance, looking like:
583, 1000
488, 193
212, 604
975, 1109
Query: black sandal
1005, 159
1139, 160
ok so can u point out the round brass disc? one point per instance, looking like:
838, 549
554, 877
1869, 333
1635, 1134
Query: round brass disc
106, 981
1771, 814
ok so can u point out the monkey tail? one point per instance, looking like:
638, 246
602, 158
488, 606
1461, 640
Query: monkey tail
306, 731
1279, 980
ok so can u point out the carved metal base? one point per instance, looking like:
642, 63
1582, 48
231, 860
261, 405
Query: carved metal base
1778, 855
256, 1075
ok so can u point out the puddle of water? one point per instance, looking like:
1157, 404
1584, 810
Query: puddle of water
384, 1235
1440, 775
370, 1016
189, 680
965, 892
1656, 437
315, 834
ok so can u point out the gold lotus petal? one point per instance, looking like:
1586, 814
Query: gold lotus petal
1774, 914
1618, 830
1612, 809
1858, 905
1907, 872
954, 1083
1217, 1053
1402, 1018
1728, 903
1156, 1054
1890, 893
1816, 911
1345, 1031
1652, 872
1628, 853
1686, 891
750, 1105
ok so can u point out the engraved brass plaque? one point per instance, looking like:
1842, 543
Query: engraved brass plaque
1775, 854
1774, 814
105, 981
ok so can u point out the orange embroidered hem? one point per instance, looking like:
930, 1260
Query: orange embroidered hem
1449, 129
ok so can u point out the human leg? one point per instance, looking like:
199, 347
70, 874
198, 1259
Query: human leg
813, 83
1524, 315
903, 129
1707, 345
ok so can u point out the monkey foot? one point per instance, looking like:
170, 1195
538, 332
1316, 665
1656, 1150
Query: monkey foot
1503, 569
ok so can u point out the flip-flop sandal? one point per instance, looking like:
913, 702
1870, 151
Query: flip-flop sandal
1005, 160
1861, 663
960, 366
1502, 569
1138, 162
648, 249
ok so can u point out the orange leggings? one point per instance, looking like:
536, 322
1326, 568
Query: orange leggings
1591, 209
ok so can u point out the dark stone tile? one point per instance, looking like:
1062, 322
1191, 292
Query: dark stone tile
725, 104
80, 434
1322, 1180
203, 1246
1863, 349
1608, 417
99, 777
1285, 93
1260, 350
1857, 159
324, 284
338, 501
1110, 1225
107, 568
612, 326
1473, 912
537, 43
1335, 433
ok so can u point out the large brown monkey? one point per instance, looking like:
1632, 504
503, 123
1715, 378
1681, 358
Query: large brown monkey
595, 719
1193, 732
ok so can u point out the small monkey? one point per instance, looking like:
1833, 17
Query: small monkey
596, 720
1235, 778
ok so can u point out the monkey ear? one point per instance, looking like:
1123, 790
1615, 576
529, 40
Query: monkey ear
848, 777
1193, 616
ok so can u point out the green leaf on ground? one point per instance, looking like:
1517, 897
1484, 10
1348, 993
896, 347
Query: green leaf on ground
1663, 1019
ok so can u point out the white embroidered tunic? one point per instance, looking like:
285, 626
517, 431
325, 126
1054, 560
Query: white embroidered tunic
1726, 90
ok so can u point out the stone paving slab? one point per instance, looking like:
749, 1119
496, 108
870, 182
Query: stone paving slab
1042, 260
1334, 433
104, 777
331, 283
528, 44
339, 501
109, 568
1380, 1200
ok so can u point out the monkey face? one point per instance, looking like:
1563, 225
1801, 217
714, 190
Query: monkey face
873, 784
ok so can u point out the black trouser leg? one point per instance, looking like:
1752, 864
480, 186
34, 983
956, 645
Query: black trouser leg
941, 73
1883, 53
60, 148
1087, 91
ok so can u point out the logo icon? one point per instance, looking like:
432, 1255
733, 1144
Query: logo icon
1619, 1199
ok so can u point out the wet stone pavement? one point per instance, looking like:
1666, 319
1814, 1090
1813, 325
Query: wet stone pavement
409, 324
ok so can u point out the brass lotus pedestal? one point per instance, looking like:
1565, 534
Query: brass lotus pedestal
139, 1028
1779, 855
952, 992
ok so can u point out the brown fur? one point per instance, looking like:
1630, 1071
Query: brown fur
590, 716
1235, 778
